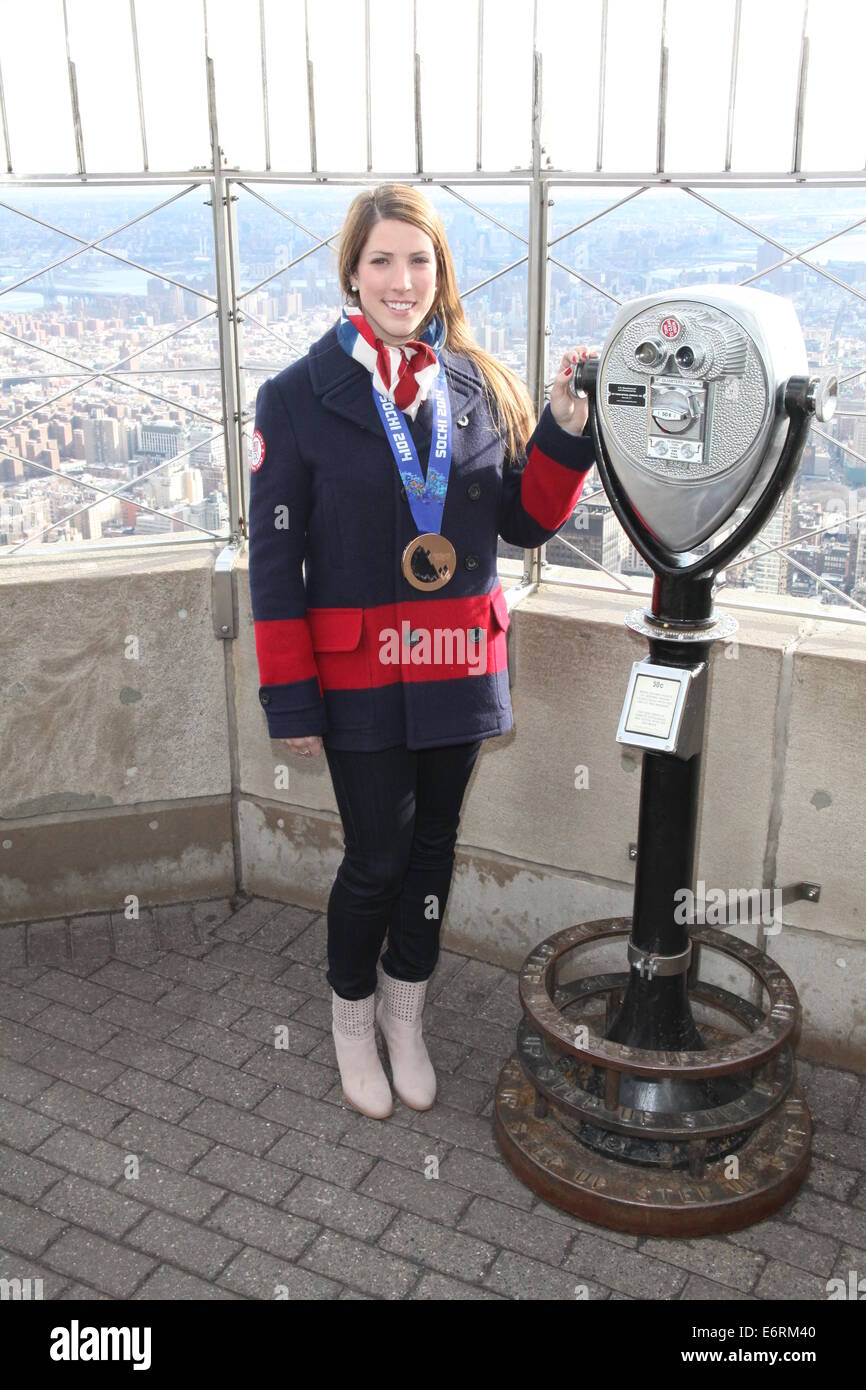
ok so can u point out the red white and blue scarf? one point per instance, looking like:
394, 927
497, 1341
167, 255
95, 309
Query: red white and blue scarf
404, 374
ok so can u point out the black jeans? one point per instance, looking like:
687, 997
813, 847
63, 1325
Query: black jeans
400, 810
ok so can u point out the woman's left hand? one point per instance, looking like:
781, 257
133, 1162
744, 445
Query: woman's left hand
570, 412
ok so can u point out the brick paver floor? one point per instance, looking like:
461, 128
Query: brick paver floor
173, 1127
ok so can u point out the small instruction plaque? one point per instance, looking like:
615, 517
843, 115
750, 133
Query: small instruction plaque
652, 707
663, 708
626, 395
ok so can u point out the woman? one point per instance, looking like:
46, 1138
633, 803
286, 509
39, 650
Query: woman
389, 655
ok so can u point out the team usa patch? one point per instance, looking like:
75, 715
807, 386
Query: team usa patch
258, 451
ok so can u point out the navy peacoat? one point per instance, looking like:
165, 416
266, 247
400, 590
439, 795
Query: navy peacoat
347, 648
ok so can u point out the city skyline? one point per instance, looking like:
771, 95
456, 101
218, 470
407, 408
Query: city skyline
97, 310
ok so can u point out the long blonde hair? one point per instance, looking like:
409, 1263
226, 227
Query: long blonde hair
509, 402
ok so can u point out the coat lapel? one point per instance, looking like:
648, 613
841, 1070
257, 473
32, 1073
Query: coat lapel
344, 385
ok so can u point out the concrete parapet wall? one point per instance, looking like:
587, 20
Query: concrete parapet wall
136, 763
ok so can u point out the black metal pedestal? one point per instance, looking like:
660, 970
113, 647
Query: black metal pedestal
618, 1105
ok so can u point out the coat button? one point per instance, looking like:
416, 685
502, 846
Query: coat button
474, 491
475, 634
264, 697
414, 638
463, 420
471, 562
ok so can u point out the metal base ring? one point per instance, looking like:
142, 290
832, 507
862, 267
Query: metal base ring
638, 620
734, 1192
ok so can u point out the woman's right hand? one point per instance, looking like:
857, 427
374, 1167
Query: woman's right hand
310, 746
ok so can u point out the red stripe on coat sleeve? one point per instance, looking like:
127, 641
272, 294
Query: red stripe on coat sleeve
549, 491
284, 650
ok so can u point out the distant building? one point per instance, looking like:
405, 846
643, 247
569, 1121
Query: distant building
494, 340
161, 438
859, 591
770, 571
102, 440
211, 513
632, 562
800, 584
595, 531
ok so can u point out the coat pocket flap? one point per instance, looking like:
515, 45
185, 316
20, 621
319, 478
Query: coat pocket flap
500, 607
335, 629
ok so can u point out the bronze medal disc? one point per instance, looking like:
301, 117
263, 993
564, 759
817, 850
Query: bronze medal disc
429, 561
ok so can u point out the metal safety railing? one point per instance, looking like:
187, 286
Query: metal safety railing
758, 548
540, 181
86, 372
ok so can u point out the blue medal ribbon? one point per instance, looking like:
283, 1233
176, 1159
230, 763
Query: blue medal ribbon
426, 498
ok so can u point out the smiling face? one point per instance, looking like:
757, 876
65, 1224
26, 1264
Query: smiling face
396, 279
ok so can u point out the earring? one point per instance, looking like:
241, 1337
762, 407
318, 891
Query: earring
354, 288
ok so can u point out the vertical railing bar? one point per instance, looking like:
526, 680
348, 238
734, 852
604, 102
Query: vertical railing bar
416, 77
238, 522
732, 90
536, 341
367, 86
537, 264
800, 108
137, 60
602, 81
76, 119
206, 54
479, 86
73, 94
231, 408
311, 95
5, 125
266, 115
233, 244
663, 93
210, 89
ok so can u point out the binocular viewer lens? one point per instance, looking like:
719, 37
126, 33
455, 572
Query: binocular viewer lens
690, 393
651, 352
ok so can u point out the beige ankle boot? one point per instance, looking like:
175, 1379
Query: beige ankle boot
399, 1016
365, 1085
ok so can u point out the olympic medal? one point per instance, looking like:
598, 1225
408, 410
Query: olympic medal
429, 561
